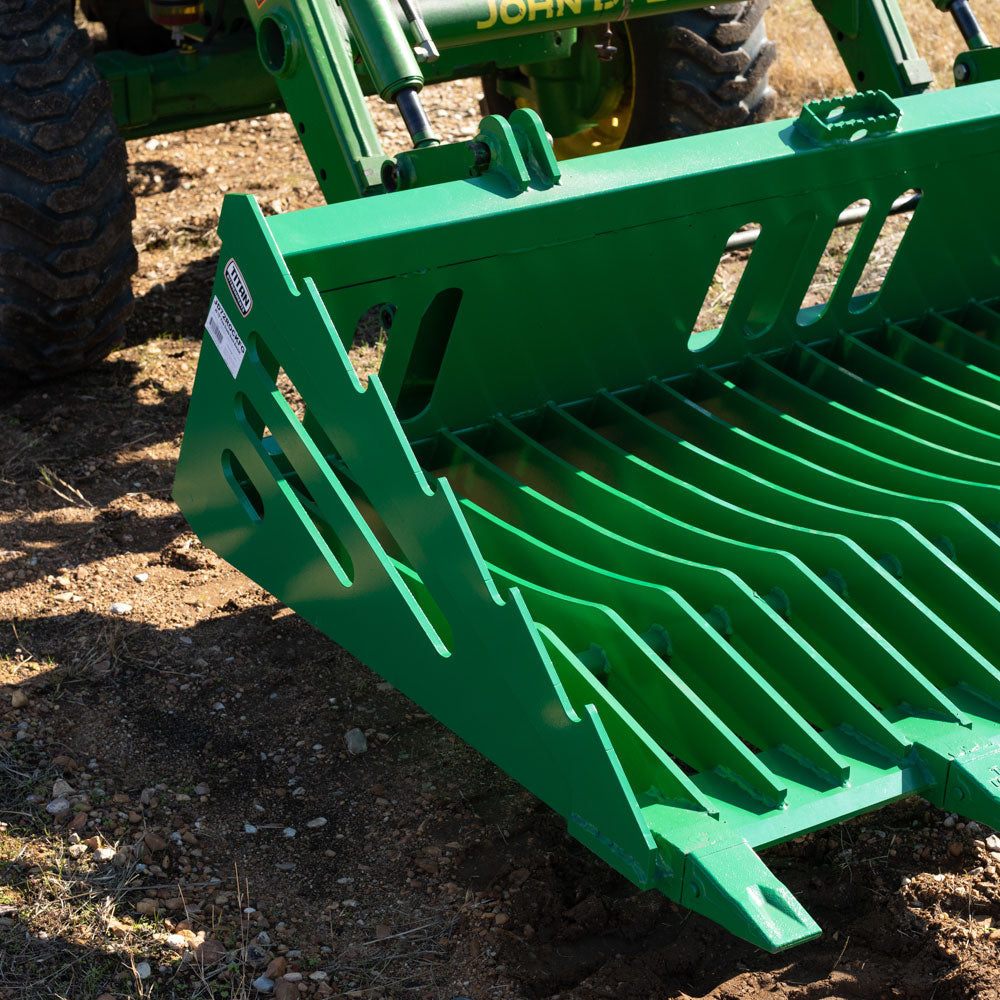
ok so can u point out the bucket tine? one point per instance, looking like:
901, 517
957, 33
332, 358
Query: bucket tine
850, 390
857, 356
931, 361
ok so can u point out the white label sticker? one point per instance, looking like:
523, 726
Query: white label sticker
238, 287
227, 340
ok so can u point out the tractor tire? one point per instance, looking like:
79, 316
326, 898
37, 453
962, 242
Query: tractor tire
694, 71
66, 253
700, 71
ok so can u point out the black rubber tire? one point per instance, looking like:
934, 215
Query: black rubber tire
66, 252
695, 71
700, 71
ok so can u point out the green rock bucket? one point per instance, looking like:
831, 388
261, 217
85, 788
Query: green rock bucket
701, 594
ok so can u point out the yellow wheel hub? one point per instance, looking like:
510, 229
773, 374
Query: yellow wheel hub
612, 118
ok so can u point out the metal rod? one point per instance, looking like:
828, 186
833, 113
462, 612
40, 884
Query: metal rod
849, 217
415, 118
968, 24
425, 49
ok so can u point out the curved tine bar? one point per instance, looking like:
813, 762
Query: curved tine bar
859, 357
652, 690
878, 403
915, 353
793, 438
650, 771
954, 339
845, 424
729, 447
832, 628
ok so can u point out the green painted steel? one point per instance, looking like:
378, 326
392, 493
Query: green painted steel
700, 594
186, 88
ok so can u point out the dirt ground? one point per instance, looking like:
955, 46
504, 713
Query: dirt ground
182, 810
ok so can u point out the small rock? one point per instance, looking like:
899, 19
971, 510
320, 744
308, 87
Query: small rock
382, 931
141, 577
993, 842
155, 842
955, 848
201, 789
153, 144
79, 821
176, 941
143, 971
263, 939
317, 822
249, 828
57, 806
500, 919
255, 956
948, 820
318, 977
276, 968
285, 990
209, 952
120, 608
76, 850
105, 853
61, 788
19, 699
93, 842
263, 985
292, 977
147, 907
289, 831
356, 741
972, 827
66, 764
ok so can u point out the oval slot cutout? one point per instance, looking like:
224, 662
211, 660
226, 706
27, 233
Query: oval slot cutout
831, 264
722, 290
884, 252
245, 491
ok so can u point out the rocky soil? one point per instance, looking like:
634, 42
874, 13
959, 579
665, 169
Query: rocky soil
202, 797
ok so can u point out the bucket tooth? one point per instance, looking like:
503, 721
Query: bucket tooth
733, 887
972, 786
